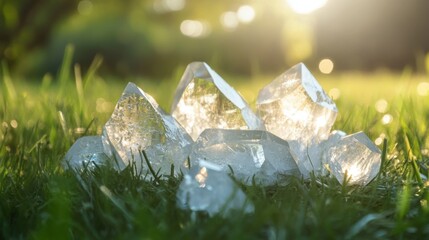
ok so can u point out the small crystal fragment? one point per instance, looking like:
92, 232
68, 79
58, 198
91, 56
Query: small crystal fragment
313, 156
250, 153
86, 152
356, 157
206, 188
138, 124
295, 107
204, 100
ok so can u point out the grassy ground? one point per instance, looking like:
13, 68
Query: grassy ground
40, 121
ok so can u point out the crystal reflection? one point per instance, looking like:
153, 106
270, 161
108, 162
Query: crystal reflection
201, 177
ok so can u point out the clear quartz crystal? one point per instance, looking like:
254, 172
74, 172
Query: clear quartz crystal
356, 157
138, 124
204, 100
296, 108
206, 188
249, 153
86, 152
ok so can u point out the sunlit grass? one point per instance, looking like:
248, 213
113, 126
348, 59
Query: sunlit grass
40, 121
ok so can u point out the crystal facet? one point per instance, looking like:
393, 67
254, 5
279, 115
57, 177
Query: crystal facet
295, 108
138, 124
206, 188
356, 157
248, 152
86, 152
204, 100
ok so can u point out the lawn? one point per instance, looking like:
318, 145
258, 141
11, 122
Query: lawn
40, 120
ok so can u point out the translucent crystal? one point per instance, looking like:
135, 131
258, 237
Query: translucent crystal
295, 107
86, 152
204, 100
138, 124
313, 157
250, 153
357, 157
206, 188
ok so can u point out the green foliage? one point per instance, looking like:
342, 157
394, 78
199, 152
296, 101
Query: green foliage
40, 200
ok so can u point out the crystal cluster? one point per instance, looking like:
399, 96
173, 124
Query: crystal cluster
289, 135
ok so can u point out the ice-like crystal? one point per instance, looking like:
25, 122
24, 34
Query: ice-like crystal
295, 107
312, 157
356, 157
138, 124
250, 153
204, 100
206, 188
86, 152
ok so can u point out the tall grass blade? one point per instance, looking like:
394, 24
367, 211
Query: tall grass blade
7, 81
92, 70
65, 74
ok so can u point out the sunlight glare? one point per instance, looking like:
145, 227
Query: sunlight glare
354, 172
306, 6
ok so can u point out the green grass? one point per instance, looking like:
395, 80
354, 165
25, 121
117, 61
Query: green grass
38, 199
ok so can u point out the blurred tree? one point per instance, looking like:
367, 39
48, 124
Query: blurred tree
27, 24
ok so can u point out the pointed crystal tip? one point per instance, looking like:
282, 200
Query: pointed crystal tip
204, 100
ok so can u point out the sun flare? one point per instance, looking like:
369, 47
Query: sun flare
306, 6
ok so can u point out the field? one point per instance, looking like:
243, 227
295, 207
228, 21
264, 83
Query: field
38, 199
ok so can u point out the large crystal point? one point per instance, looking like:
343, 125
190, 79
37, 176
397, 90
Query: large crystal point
204, 100
249, 153
86, 152
295, 107
206, 188
356, 157
138, 124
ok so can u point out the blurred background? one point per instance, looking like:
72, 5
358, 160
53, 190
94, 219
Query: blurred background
151, 38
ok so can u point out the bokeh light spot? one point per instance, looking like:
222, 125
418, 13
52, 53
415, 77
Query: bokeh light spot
229, 20
423, 88
14, 123
387, 119
334, 93
326, 66
378, 141
162, 6
306, 6
381, 106
246, 14
194, 28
